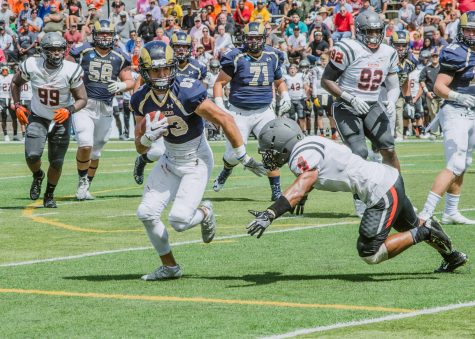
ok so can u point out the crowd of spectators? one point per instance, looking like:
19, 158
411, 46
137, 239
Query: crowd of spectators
300, 28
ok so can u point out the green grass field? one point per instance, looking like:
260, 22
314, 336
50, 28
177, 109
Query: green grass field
303, 273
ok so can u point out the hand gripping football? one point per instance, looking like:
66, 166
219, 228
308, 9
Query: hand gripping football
143, 122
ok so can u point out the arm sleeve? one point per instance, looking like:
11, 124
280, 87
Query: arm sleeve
423, 75
451, 60
392, 86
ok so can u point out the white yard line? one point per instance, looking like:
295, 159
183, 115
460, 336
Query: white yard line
392, 317
92, 254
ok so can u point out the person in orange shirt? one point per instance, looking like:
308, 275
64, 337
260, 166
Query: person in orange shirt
16, 6
218, 6
97, 3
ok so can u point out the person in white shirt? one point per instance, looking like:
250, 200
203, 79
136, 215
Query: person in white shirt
196, 32
222, 42
295, 83
297, 43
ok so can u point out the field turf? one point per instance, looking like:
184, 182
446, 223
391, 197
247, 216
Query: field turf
304, 273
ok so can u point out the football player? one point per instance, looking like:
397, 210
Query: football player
252, 70
58, 92
295, 83
354, 76
455, 84
186, 67
321, 99
106, 72
208, 82
5, 97
405, 110
416, 94
182, 174
325, 165
304, 67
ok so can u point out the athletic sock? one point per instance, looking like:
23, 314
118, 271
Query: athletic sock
50, 189
322, 132
82, 173
451, 203
274, 181
89, 178
419, 234
430, 205
333, 130
38, 173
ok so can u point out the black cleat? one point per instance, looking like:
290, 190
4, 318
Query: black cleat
35, 189
221, 179
438, 238
451, 262
48, 201
139, 168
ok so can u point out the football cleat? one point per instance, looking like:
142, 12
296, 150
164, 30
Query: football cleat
83, 187
221, 179
452, 261
456, 218
360, 208
163, 273
438, 238
49, 202
35, 189
16, 138
89, 196
6, 138
208, 224
139, 168
276, 192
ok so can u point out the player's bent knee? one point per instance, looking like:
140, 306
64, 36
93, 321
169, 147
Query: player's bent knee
179, 225
145, 212
32, 158
57, 163
458, 163
96, 153
378, 257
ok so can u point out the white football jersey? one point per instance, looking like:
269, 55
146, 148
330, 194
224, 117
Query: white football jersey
339, 170
26, 92
414, 80
363, 70
209, 80
5, 83
313, 79
295, 85
51, 90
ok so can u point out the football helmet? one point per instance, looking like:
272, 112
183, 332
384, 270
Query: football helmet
467, 22
181, 44
425, 56
369, 29
214, 66
237, 38
254, 37
276, 141
304, 66
156, 57
53, 48
400, 41
103, 33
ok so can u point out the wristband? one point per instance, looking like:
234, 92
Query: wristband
71, 109
280, 206
346, 97
453, 95
240, 151
219, 101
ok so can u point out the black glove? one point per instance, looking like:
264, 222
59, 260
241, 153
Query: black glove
300, 206
260, 223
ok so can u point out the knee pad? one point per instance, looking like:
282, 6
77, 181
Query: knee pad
57, 163
158, 235
96, 151
229, 159
368, 247
180, 220
144, 213
458, 162
32, 158
378, 257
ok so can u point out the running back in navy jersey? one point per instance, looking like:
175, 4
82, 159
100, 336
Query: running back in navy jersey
458, 61
98, 70
252, 79
179, 105
193, 69
406, 66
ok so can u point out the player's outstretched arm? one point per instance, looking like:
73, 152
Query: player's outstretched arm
125, 84
221, 81
20, 111
287, 202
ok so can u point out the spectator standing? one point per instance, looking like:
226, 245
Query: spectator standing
147, 28
344, 25
262, 11
427, 81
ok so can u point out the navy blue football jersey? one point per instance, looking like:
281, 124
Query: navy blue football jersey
458, 61
406, 66
252, 79
179, 106
99, 70
193, 69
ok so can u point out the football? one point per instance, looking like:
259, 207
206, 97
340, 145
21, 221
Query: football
143, 122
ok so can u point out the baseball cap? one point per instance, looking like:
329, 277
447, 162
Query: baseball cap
259, 2
317, 33
123, 13
197, 19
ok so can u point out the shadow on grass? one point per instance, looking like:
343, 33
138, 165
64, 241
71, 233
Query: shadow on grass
273, 277
109, 277
227, 199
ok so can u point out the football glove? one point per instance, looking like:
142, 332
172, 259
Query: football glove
61, 115
154, 129
466, 100
255, 167
298, 210
359, 105
390, 108
116, 86
22, 113
410, 110
220, 103
285, 103
260, 223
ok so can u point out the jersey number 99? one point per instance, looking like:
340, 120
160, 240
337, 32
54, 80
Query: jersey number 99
48, 97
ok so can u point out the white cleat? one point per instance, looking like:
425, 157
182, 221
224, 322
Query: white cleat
456, 218
208, 224
360, 208
6, 138
163, 273
89, 196
83, 187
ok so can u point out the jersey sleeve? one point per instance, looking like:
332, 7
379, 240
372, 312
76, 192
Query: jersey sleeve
306, 159
24, 69
227, 62
191, 94
393, 63
451, 59
342, 55
280, 61
76, 50
135, 102
77, 76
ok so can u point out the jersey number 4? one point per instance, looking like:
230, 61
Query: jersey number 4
370, 80
48, 97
